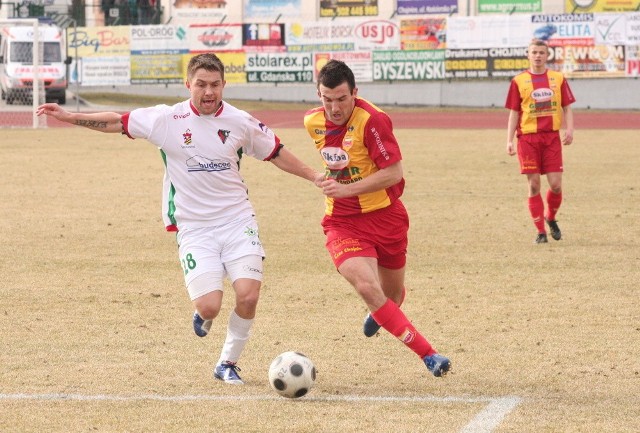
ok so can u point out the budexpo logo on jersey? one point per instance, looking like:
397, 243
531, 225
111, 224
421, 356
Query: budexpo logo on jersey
200, 163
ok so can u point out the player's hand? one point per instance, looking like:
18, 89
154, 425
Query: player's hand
317, 181
333, 189
511, 149
568, 138
51, 109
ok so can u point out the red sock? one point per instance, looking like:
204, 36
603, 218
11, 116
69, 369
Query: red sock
391, 318
553, 204
536, 208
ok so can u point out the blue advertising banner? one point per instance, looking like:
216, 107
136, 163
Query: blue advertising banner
261, 9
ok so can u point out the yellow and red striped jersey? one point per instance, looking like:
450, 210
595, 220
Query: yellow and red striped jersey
355, 150
539, 99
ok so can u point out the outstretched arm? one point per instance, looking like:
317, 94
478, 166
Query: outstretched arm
103, 122
288, 162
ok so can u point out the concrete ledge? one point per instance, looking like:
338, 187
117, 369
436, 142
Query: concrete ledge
614, 94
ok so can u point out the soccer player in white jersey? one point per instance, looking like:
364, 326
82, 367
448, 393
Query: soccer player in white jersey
204, 198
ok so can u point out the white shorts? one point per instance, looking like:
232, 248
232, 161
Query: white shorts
215, 251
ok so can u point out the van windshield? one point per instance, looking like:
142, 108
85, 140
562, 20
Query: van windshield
21, 52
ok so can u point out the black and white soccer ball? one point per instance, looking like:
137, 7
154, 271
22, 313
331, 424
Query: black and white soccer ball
292, 374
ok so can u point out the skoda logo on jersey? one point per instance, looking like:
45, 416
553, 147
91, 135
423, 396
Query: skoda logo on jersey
200, 163
542, 95
335, 157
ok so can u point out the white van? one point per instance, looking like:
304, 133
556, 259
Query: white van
16, 63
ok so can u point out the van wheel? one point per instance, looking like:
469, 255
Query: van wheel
62, 100
2, 94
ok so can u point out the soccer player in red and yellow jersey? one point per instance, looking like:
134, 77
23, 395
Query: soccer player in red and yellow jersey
538, 99
365, 222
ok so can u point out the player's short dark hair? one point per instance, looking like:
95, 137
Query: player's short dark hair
334, 73
207, 61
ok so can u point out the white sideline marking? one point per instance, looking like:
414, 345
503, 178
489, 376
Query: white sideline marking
484, 422
491, 416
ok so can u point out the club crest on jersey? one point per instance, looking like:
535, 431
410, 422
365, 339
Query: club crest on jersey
186, 137
347, 142
223, 134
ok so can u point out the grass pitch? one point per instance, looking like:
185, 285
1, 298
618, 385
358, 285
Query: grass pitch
95, 322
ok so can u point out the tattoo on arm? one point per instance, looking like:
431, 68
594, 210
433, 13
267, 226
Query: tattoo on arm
92, 123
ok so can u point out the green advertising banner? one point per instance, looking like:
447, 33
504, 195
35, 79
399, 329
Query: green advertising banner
582, 6
509, 6
348, 8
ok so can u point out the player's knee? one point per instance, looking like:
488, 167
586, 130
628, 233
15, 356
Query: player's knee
248, 299
371, 293
534, 188
207, 311
208, 306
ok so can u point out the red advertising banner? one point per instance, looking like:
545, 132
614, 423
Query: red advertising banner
423, 34
602, 61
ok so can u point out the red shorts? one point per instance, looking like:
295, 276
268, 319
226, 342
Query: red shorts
540, 153
381, 234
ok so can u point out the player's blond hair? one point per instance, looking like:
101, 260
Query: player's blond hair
539, 43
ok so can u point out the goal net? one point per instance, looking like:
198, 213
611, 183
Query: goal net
32, 71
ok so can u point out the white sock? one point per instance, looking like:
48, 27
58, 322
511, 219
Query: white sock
238, 332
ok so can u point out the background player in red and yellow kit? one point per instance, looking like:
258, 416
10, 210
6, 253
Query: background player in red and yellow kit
537, 100
365, 222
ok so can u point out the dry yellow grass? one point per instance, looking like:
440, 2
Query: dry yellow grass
95, 322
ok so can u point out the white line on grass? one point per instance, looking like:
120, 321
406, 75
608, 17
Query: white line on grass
484, 422
492, 415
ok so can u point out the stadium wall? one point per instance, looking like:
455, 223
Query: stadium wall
619, 94
605, 94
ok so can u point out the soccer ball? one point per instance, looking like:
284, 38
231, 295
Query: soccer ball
292, 374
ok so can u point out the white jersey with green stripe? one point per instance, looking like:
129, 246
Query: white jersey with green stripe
202, 185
